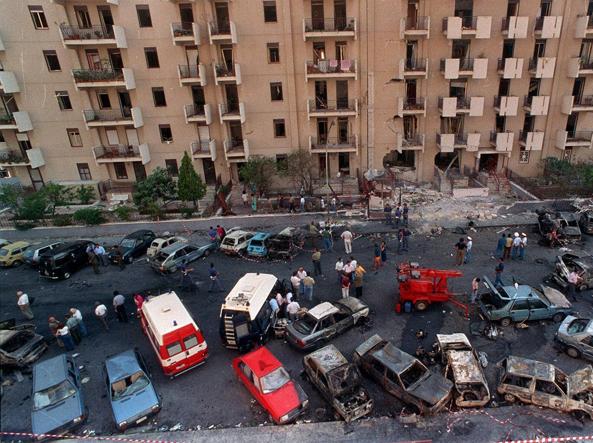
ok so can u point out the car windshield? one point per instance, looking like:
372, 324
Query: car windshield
128, 243
129, 385
229, 241
577, 326
3, 252
28, 253
256, 243
53, 395
412, 374
306, 324
274, 380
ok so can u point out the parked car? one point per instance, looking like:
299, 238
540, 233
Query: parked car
462, 367
582, 264
326, 320
339, 382
575, 337
569, 225
131, 394
402, 375
161, 243
257, 245
4, 242
286, 244
62, 261
271, 385
20, 345
133, 245
33, 252
58, 402
520, 303
12, 253
543, 384
235, 242
180, 253
586, 221
564, 223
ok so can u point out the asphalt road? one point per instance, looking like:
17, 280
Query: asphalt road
211, 395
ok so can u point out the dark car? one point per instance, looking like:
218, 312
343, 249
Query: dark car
132, 246
20, 345
586, 222
36, 250
285, 244
58, 403
62, 261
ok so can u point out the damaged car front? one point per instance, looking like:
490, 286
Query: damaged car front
580, 392
20, 346
582, 264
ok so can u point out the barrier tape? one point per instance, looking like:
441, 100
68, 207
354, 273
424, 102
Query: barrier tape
551, 439
83, 437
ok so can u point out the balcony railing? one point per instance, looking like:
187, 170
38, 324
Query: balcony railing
539, 23
230, 108
333, 142
234, 145
586, 63
222, 70
579, 136
318, 105
331, 67
9, 157
189, 71
220, 29
339, 24
467, 23
103, 115
528, 100
415, 64
195, 110
6, 118
465, 64
97, 75
182, 29
416, 23
583, 100
414, 103
92, 33
463, 103
200, 147
115, 152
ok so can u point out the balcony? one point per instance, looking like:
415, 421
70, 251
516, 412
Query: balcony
453, 106
104, 78
74, 36
331, 69
342, 27
460, 27
574, 139
409, 142
185, 33
549, 26
19, 121
332, 108
412, 68
510, 67
414, 27
580, 66
411, 106
572, 104
506, 105
537, 104
8, 83
502, 141
515, 27
63, 2
197, 113
203, 149
15, 158
192, 74
321, 145
531, 140
453, 68
542, 67
583, 27
231, 112
121, 153
450, 142
226, 74
226, 33
113, 117
236, 151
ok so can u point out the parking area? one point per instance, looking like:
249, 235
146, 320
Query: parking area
211, 395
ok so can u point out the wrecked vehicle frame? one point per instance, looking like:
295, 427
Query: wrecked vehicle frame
582, 264
20, 345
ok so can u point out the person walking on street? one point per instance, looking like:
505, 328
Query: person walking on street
53, 325
101, 314
347, 237
64, 335
460, 251
214, 279
377, 258
187, 282
522, 246
500, 246
507, 247
515, 246
406, 239
398, 216
308, 283
94, 261
301, 274
339, 268
405, 213
292, 309
358, 280
499, 270
326, 235
101, 254
383, 248
253, 203
345, 286
244, 198
387, 212
573, 280
81, 325
22, 301
468, 247
119, 304
316, 259
475, 287
72, 324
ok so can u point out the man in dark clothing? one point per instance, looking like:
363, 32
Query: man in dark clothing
214, 279
119, 305
187, 283
499, 268
460, 251
119, 258
405, 214
500, 246
94, 261
387, 212
406, 239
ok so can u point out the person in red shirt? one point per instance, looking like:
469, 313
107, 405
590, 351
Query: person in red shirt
345, 286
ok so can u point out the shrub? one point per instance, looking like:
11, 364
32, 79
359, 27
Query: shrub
33, 207
23, 226
62, 220
85, 194
89, 216
187, 212
123, 213
155, 211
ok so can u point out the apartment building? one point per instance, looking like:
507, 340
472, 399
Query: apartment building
104, 91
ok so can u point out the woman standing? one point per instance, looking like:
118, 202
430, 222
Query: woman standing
383, 252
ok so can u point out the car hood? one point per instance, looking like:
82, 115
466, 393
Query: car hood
46, 420
580, 381
291, 330
134, 405
287, 398
432, 388
25, 354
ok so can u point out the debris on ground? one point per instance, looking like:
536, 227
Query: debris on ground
483, 357
177, 427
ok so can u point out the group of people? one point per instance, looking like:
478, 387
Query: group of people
69, 331
350, 273
397, 215
97, 256
285, 306
511, 246
216, 234
302, 283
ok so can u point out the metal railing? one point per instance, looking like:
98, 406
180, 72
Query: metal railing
467, 23
234, 144
6, 117
416, 23
223, 70
97, 75
195, 110
504, 27
586, 63
583, 100
12, 157
92, 115
118, 151
579, 136
317, 104
182, 29
539, 23
463, 102
220, 29
231, 107
415, 64
92, 33
533, 63
333, 142
200, 147
501, 64
528, 100
189, 71
465, 64
338, 24
414, 103
331, 66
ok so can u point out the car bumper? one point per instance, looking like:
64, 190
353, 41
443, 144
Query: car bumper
140, 418
186, 365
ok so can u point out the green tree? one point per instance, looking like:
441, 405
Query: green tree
11, 196
190, 186
55, 195
157, 188
257, 172
300, 170
33, 207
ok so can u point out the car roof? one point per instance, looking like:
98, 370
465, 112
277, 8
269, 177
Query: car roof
466, 368
391, 357
322, 310
327, 358
166, 313
352, 303
260, 236
122, 365
15, 245
44, 244
261, 361
522, 291
49, 372
67, 246
453, 340
530, 368
171, 249
250, 293
139, 233
237, 233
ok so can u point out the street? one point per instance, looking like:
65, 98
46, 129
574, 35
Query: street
211, 395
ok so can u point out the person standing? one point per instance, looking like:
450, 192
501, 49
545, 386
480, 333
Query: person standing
187, 282
281, 301
405, 213
119, 304
64, 334
322, 204
333, 206
22, 301
308, 283
302, 203
522, 246
292, 309
138, 301
468, 249
212, 234
72, 324
339, 268
101, 255
345, 285
400, 240
515, 246
301, 274
460, 251
214, 279
508, 244
274, 306
387, 212
347, 237
316, 259
101, 314
475, 288
406, 239
377, 257
295, 281
573, 280
499, 270
358, 280
220, 233
500, 246
383, 248
81, 325
253, 203
94, 262
244, 198
53, 325
326, 235
398, 216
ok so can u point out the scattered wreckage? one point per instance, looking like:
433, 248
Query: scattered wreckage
586, 221
575, 337
582, 264
558, 227
285, 244
19, 345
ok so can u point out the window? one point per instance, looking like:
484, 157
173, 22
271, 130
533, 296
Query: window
144, 20
174, 348
74, 137
120, 170
190, 341
520, 305
51, 60
103, 99
84, 171
276, 91
524, 156
273, 53
152, 58
64, 100
270, 14
166, 134
38, 17
281, 162
279, 128
158, 96
172, 168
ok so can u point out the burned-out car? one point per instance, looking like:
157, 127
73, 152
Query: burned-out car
20, 345
463, 368
582, 264
285, 244
543, 384
402, 375
339, 382
575, 337
586, 221
564, 224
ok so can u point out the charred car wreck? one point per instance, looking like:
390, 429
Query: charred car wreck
582, 264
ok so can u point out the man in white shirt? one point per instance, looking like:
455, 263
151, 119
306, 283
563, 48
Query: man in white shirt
339, 269
573, 280
101, 314
469, 244
100, 252
66, 337
78, 316
347, 237
292, 309
295, 281
22, 301
301, 274
522, 246
516, 246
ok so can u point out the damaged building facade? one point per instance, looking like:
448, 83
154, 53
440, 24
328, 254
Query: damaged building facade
108, 90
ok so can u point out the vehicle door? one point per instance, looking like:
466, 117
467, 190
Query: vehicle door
587, 347
191, 253
343, 320
517, 386
549, 394
538, 310
327, 327
248, 379
180, 257
519, 310
394, 385
38, 253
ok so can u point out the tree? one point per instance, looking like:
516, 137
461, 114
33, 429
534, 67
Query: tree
257, 172
300, 170
157, 188
11, 196
190, 186
33, 207
55, 195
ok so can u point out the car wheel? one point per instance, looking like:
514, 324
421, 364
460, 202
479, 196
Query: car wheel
573, 352
582, 288
17, 263
129, 260
505, 322
510, 398
558, 317
206, 253
66, 275
421, 306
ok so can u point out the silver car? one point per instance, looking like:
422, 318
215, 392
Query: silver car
575, 336
33, 252
172, 257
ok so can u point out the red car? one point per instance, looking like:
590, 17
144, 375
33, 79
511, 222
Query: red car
267, 380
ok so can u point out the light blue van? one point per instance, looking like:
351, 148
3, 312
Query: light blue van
257, 245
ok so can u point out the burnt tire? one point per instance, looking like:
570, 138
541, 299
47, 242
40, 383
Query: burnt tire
506, 322
421, 306
558, 317
573, 352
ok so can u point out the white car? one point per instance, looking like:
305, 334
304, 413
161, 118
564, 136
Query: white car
161, 243
236, 241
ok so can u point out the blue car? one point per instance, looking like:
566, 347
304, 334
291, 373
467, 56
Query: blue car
257, 245
131, 393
